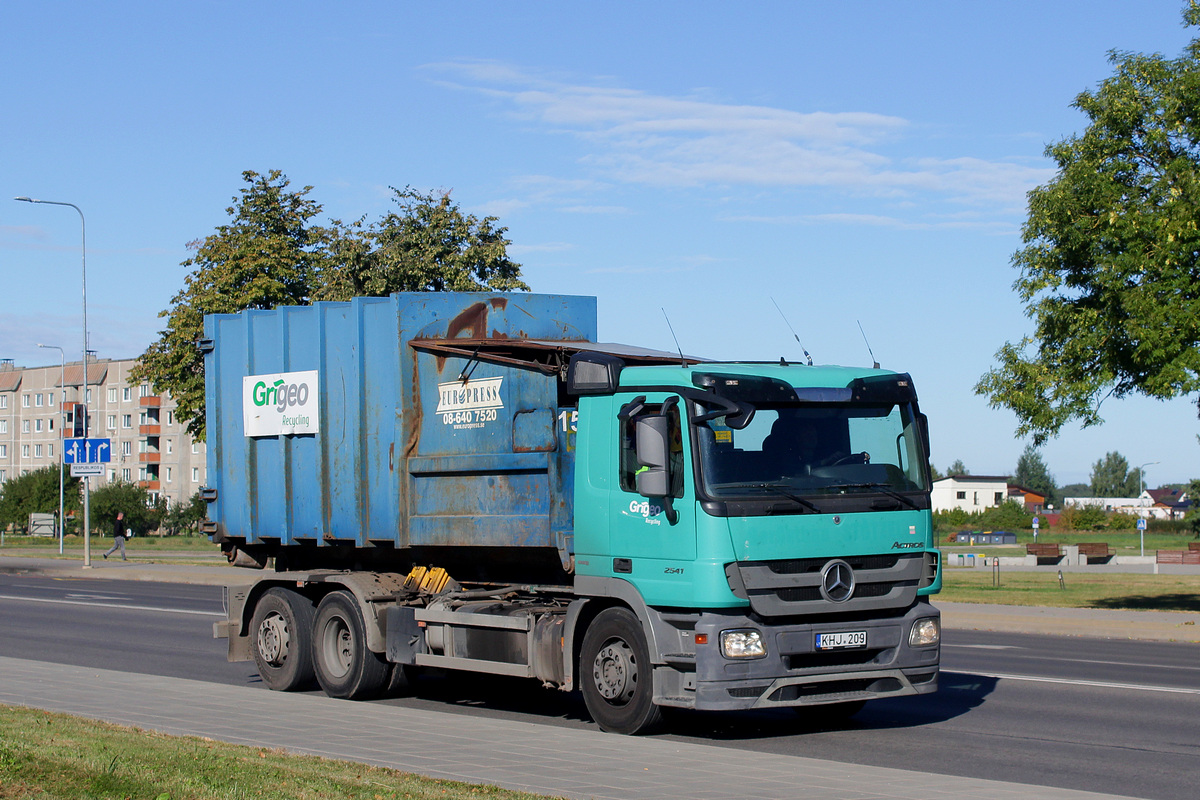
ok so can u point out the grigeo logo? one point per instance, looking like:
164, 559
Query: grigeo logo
281, 395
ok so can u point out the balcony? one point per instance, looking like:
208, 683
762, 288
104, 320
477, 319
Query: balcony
149, 458
149, 485
150, 430
153, 401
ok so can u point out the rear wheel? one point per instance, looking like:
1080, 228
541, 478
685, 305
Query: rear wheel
616, 674
281, 635
345, 667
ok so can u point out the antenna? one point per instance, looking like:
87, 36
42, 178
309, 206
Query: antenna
793, 330
874, 363
682, 360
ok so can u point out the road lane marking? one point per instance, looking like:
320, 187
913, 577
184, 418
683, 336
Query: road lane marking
99, 604
1075, 682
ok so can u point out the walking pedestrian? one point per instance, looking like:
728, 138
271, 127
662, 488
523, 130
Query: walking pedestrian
120, 532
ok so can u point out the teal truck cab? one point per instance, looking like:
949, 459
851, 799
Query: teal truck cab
483, 487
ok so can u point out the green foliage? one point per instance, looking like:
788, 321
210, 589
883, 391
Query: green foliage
935, 473
141, 513
1110, 269
36, 492
1009, 515
272, 254
430, 246
1112, 477
1075, 490
958, 468
1082, 518
1032, 473
183, 518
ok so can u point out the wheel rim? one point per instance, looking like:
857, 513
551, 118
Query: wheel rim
614, 672
274, 639
337, 647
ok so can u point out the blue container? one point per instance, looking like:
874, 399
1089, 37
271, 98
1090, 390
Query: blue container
395, 422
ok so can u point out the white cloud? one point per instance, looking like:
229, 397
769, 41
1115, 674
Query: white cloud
641, 138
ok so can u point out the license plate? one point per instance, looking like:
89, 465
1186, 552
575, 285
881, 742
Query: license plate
841, 640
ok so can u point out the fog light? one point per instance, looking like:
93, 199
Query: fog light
743, 644
925, 632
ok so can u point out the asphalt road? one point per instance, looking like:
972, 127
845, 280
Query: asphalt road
1101, 715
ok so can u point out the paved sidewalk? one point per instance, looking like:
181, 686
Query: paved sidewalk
515, 755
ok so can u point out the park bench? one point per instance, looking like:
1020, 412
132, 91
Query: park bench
1188, 556
1194, 547
1051, 553
1096, 551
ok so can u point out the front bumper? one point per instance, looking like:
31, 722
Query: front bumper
795, 673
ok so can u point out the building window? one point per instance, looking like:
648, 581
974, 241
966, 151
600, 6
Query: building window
126, 475
143, 418
127, 420
195, 474
37, 399
144, 390
112, 422
89, 397
24, 426
24, 401
51, 449
170, 417
168, 474
51, 423
999, 498
37, 426
3, 426
112, 394
170, 447
195, 447
3, 451
126, 448
50, 399
24, 451
37, 451
4, 401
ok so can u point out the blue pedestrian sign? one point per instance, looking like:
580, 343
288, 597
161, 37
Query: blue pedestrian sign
1141, 524
87, 451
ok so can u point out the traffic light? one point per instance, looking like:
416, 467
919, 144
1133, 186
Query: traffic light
77, 431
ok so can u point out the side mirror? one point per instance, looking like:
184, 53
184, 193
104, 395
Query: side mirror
653, 443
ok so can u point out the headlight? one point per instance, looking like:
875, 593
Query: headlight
925, 632
742, 644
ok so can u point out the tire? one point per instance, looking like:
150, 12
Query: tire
616, 675
400, 680
345, 668
281, 637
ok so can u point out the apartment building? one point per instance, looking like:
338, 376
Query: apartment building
150, 445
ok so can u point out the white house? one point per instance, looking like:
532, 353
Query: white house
971, 493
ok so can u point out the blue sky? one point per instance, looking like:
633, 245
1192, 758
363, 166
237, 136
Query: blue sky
852, 163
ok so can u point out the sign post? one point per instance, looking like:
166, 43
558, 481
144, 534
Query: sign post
1141, 526
1035, 529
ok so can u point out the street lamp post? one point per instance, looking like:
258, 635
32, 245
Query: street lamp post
1141, 488
87, 532
62, 415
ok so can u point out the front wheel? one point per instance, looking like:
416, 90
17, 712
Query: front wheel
280, 635
345, 667
616, 674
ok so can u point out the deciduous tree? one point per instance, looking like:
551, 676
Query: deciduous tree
430, 245
1112, 477
36, 492
266, 256
1110, 268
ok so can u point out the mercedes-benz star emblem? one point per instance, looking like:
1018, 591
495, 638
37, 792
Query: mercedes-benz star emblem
837, 581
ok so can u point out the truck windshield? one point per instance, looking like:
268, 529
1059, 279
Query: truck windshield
814, 449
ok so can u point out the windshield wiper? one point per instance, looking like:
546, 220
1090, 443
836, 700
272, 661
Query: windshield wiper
783, 490
882, 487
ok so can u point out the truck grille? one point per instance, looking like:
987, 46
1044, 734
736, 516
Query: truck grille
794, 586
